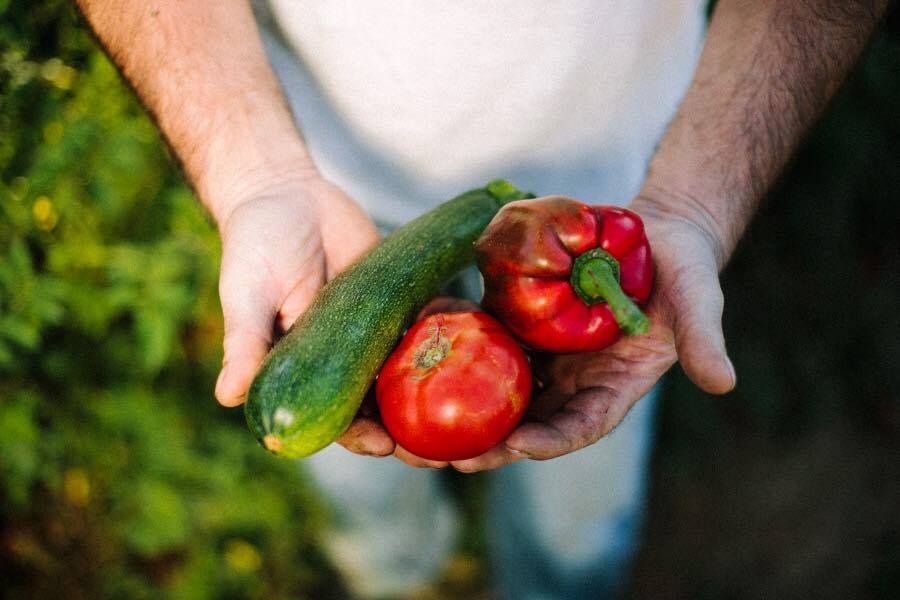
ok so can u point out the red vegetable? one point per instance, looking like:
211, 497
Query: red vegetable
565, 276
455, 386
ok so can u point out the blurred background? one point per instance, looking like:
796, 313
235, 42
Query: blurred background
120, 477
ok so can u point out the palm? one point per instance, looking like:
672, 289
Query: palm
582, 397
278, 249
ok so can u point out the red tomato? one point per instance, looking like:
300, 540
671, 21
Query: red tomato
455, 386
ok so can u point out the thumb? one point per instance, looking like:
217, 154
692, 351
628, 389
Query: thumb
249, 325
697, 302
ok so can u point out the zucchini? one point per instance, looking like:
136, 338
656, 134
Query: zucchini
312, 382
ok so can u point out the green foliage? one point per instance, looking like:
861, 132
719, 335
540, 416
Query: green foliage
119, 476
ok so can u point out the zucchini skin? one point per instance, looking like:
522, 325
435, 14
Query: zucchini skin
313, 381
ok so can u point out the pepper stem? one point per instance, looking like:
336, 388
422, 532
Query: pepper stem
595, 278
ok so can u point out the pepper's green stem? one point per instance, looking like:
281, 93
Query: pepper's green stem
505, 192
595, 278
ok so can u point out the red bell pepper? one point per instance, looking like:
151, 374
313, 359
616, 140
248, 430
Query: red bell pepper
565, 276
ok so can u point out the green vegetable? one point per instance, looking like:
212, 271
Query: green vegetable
314, 379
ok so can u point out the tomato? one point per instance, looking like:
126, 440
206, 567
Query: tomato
455, 386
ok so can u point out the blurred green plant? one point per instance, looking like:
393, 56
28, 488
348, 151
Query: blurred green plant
119, 477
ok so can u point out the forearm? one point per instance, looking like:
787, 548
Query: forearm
200, 69
767, 71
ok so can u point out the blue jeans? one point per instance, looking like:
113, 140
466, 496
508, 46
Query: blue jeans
566, 528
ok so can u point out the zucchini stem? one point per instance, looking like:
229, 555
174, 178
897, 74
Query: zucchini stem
505, 192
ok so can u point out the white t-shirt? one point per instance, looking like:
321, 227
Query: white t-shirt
408, 102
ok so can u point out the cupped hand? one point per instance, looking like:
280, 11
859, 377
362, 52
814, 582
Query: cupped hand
280, 244
579, 398
286, 241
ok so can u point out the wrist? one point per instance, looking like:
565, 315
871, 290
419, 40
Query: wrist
252, 148
656, 204
230, 190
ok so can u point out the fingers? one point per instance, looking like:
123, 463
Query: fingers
588, 416
249, 313
368, 437
697, 304
496, 457
415, 461
244, 352
297, 301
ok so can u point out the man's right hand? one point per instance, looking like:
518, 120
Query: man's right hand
200, 69
280, 243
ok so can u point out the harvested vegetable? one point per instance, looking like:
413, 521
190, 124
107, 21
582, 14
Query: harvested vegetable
314, 379
455, 386
565, 276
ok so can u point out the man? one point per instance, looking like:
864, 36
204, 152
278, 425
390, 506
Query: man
404, 104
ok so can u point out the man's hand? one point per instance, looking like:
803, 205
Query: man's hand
279, 246
766, 73
582, 397
579, 398
200, 69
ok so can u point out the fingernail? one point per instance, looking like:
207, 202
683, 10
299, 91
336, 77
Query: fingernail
733, 372
518, 452
219, 382
224, 395
379, 453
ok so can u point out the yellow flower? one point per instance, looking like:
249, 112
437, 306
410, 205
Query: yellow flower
44, 213
242, 556
76, 487
58, 73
